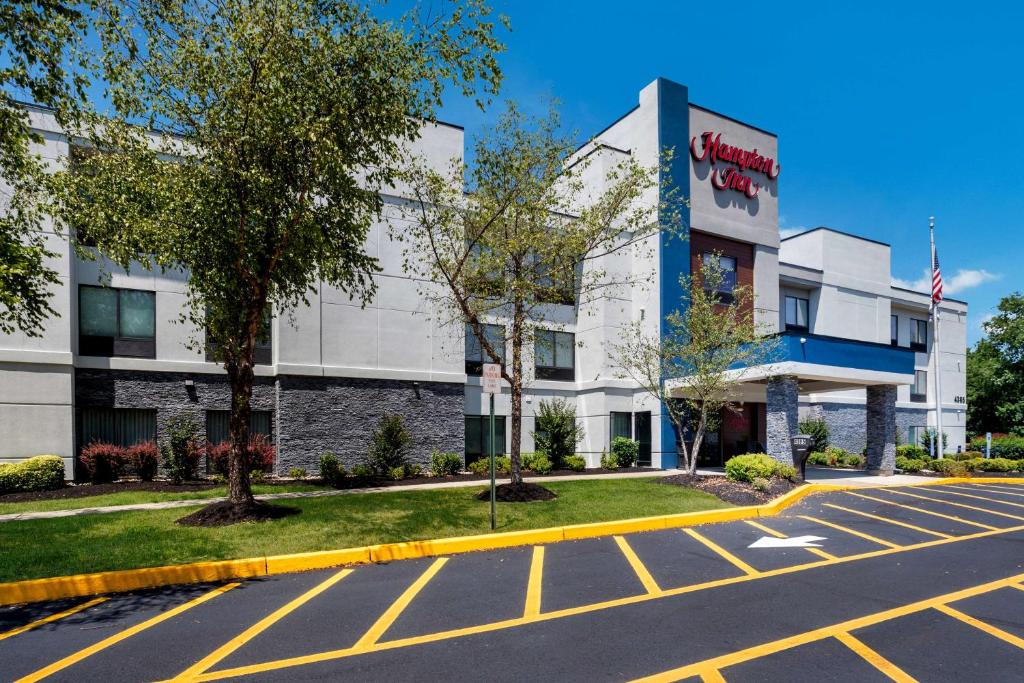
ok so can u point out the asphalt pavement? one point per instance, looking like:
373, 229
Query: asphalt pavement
901, 583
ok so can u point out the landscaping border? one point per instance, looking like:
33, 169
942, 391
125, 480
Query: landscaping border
121, 581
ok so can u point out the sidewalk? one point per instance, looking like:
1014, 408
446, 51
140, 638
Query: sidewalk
168, 504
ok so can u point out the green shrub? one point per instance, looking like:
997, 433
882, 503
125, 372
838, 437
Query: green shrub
297, 473
1010, 446
786, 472
362, 471
538, 463
835, 456
854, 461
556, 431
390, 444
218, 479
503, 464
1020, 465
818, 459
144, 459
928, 436
257, 476
761, 484
445, 464
331, 470
996, 465
967, 455
481, 467
181, 450
39, 473
102, 462
951, 468
906, 464
819, 430
576, 463
609, 461
626, 451
911, 451
748, 467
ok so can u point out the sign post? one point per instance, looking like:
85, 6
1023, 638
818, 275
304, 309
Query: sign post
988, 445
492, 386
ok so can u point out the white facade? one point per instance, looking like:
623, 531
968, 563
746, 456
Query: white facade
395, 338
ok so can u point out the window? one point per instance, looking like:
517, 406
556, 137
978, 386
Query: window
915, 434
555, 355
218, 424
263, 353
620, 425
727, 264
919, 335
919, 392
116, 322
478, 436
119, 426
796, 313
475, 355
894, 330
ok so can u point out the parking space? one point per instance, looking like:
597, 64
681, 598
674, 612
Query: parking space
913, 582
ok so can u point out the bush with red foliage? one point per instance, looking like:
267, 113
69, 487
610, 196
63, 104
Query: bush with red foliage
260, 455
102, 462
144, 459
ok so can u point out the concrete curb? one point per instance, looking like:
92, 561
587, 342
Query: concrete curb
37, 590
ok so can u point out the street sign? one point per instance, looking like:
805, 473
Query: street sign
492, 378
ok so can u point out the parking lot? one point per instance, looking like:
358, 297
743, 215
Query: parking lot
903, 583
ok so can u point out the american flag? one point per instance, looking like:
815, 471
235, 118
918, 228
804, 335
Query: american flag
936, 277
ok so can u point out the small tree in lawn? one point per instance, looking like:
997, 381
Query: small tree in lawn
529, 233
557, 433
281, 123
703, 355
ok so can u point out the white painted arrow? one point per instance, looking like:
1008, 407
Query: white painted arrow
794, 542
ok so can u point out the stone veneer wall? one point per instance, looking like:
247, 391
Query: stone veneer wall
311, 414
847, 423
781, 420
337, 414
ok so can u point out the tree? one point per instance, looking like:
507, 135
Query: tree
557, 433
706, 350
995, 372
527, 233
38, 61
280, 123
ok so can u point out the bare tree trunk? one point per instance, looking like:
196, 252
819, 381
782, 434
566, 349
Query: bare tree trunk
517, 397
241, 377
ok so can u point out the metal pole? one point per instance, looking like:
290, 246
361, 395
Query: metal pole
493, 521
937, 440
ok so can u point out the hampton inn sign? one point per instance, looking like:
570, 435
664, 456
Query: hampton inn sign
732, 178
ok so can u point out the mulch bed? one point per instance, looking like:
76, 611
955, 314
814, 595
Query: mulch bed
224, 513
517, 493
735, 492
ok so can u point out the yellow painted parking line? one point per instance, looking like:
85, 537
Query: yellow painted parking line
888, 521
959, 505
923, 511
259, 627
833, 631
723, 552
984, 498
852, 532
874, 659
982, 626
778, 534
649, 584
535, 584
330, 655
123, 635
392, 613
53, 617
712, 676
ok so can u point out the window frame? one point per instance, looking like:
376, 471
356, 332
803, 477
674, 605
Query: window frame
555, 372
894, 329
611, 425
920, 376
916, 324
482, 421
119, 419
118, 345
476, 367
807, 313
727, 290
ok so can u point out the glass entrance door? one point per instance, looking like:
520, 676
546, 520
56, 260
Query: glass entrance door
642, 433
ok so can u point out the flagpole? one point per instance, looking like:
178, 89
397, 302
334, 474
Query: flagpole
937, 449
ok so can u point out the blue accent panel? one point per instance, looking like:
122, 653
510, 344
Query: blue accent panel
846, 353
673, 252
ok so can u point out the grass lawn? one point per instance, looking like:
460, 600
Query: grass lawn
123, 540
132, 497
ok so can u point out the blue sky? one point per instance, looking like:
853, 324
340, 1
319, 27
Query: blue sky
886, 113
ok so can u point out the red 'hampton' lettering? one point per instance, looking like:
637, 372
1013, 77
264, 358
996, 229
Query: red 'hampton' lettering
713, 149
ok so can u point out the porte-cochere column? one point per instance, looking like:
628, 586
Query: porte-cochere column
881, 429
783, 417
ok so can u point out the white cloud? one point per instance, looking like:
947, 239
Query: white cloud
965, 278
984, 319
789, 232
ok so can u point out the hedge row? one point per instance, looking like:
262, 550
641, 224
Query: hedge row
41, 473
